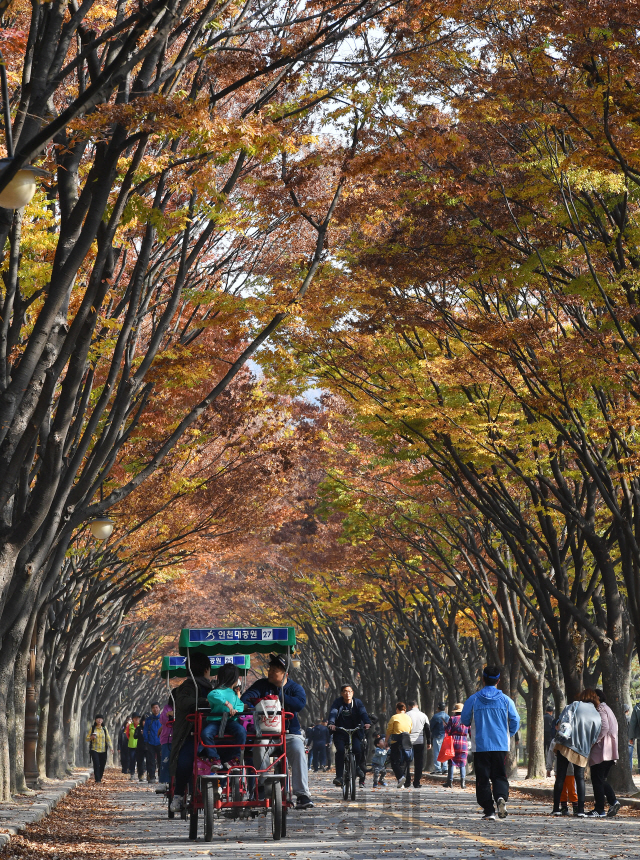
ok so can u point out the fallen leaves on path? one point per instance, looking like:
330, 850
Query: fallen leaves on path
75, 830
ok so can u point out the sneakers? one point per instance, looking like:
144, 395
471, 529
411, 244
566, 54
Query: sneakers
580, 814
215, 764
613, 810
594, 814
490, 816
556, 813
361, 783
176, 804
233, 762
304, 802
151, 781
401, 781
337, 782
382, 782
501, 803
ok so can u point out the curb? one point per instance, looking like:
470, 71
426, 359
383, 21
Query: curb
43, 805
536, 791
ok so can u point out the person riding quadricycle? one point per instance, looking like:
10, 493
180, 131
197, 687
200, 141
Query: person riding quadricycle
226, 761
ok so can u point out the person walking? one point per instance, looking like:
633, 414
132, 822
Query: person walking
459, 734
604, 754
151, 738
141, 751
99, 742
123, 748
569, 794
438, 721
320, 737
634, 732
398, 741
495, 720
132, 746
420, 738
578, 730
166, 736
379, 762
549, 728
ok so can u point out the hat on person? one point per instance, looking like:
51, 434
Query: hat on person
278, 660
457, 708
441, 706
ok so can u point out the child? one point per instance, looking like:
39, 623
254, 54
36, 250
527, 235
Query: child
379, 762
224, 700
569, 792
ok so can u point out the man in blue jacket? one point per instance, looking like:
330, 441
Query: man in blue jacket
320, 738
294, 699
348, 713
493, 720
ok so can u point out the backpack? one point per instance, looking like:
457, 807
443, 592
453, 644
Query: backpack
406, 746
565, 724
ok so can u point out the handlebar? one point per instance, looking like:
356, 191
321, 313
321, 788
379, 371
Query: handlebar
350, 731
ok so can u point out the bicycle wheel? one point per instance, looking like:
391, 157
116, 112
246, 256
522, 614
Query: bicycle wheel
276, 810
346, 778
207, 797
354, 775
236, 796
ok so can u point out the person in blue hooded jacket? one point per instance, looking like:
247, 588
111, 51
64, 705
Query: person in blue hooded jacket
493, 720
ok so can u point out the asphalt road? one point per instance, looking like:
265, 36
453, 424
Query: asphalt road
389, 823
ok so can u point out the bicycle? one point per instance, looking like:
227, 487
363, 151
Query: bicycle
350, 773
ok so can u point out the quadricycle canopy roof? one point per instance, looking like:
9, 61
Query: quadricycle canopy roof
237, 640
176, 667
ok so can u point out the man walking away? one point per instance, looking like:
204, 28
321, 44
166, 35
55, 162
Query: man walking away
438, 721
495, 720
151, 736
320, 738
549, 728
420, 738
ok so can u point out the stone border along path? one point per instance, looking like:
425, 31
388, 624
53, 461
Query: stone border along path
22, 810
383, 824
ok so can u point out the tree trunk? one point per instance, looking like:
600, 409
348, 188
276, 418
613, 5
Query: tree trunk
620, 776
536, 766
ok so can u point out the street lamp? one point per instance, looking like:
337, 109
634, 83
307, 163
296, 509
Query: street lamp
101, 527
296, 663
115, 650
346, 630
21, 188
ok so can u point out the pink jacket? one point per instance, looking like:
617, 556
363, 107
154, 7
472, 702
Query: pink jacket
166, 731
606, 747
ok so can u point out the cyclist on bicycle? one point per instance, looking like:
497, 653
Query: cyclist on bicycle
348, 713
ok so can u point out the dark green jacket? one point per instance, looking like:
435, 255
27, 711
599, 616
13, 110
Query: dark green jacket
184, 697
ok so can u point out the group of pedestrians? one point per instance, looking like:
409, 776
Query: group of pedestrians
140, 744
586, 733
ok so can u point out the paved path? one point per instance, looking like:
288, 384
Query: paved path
386, 823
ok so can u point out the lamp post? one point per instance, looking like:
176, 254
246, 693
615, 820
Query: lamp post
101, 527
21, 188
114, 649
296, 662
346, 630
